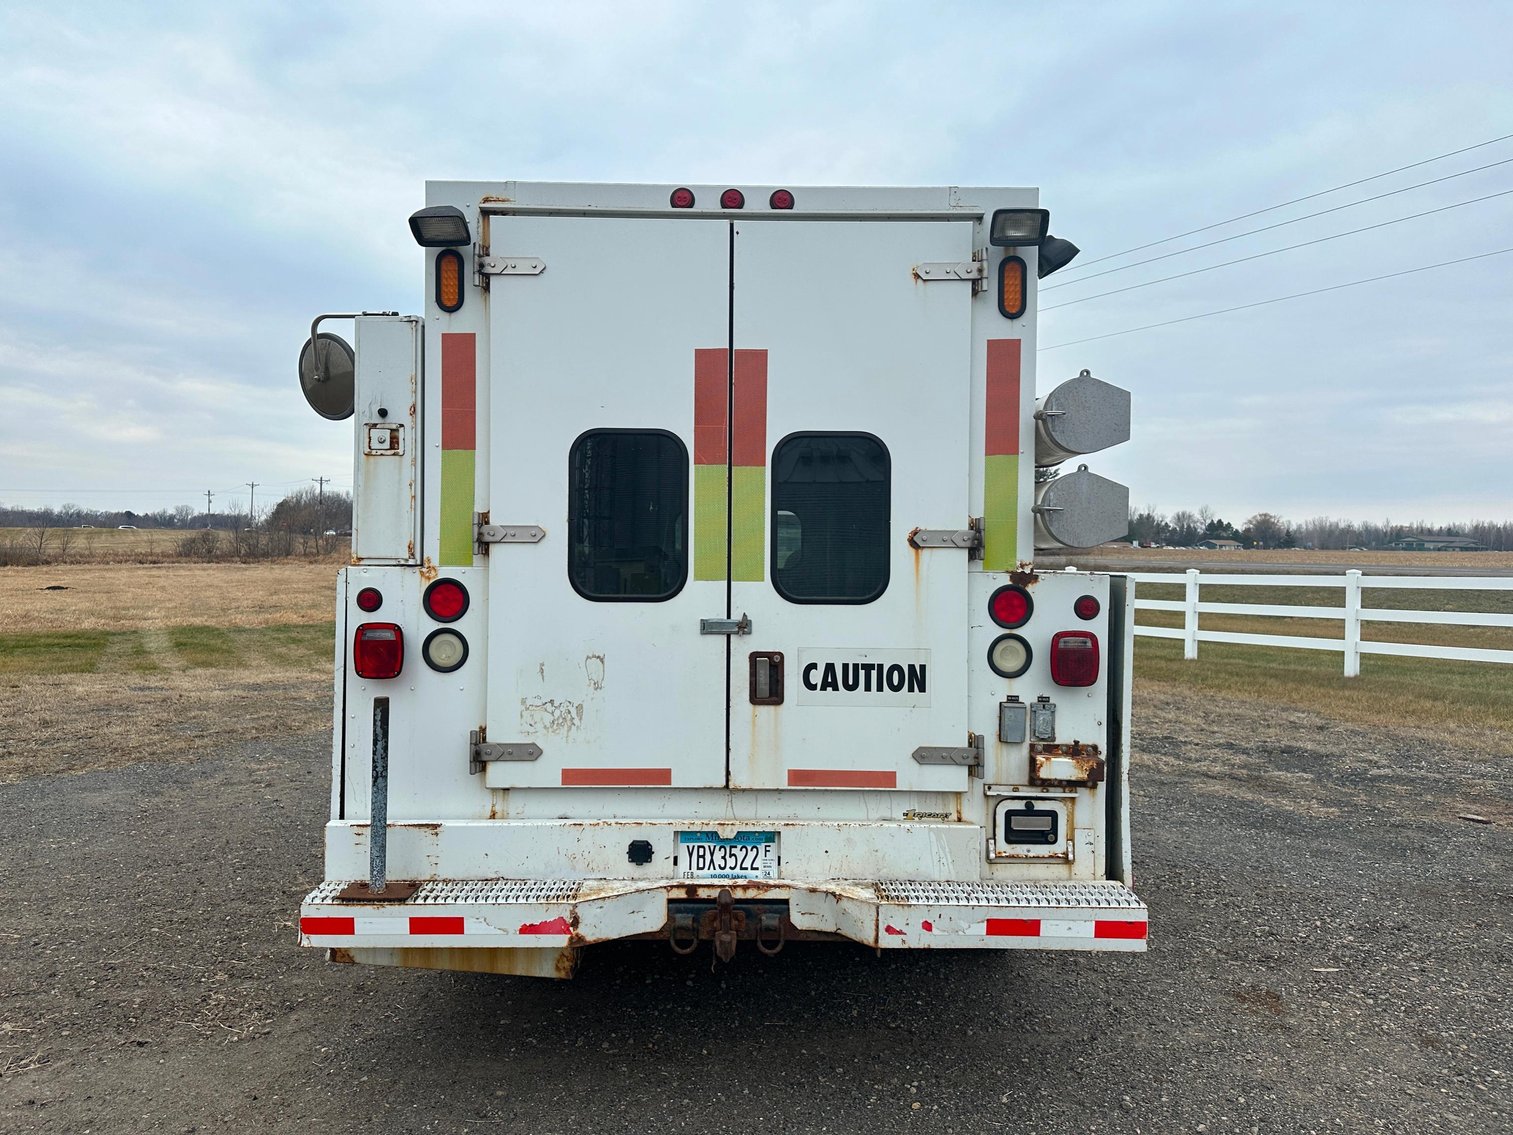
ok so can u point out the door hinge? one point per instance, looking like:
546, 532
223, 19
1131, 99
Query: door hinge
951, 270
968, 755
480, 752
485, 533
969, 538
726, 626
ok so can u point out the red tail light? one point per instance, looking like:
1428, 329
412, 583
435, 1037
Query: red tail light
445, 600
1011, 606
1074, 658
370, 599
378, 650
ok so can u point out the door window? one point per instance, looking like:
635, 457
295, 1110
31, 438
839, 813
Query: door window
830, 508
628, 515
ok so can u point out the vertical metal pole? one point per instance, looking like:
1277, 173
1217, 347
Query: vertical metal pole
1353, 623
378, 824
1190, 617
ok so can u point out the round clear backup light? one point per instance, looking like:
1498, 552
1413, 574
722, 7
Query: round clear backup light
444, 650
1009, 656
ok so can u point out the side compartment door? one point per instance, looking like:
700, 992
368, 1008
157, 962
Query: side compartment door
864, 373
595, 652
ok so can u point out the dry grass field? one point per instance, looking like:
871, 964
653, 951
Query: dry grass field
98, 545
103, 666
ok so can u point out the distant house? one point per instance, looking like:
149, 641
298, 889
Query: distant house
1220, 545
1414, 542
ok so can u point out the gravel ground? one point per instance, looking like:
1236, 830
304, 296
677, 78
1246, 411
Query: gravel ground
1330, 951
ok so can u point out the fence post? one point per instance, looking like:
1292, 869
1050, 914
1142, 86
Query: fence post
1353, 623
1190, 617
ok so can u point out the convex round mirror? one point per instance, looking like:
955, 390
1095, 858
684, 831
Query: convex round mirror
326, 369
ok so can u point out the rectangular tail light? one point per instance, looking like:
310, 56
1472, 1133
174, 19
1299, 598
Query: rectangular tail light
1074, 658
378, 650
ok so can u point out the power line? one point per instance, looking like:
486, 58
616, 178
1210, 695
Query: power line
1274, 251
1279, 299
1278, 225
1284, 204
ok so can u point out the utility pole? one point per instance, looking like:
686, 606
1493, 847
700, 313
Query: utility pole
321, 481
208, 495
251, 503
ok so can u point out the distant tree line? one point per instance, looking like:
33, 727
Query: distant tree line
1185, 529
306, 522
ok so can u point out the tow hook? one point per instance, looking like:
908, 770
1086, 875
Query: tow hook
683, 934
770, 933
727, 923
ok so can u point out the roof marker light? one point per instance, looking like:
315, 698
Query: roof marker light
780, 199
732, 199
681, 199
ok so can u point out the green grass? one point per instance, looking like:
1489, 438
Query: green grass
61, 652
177, 648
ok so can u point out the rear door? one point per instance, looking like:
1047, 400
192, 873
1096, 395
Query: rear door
851, 403
595, 655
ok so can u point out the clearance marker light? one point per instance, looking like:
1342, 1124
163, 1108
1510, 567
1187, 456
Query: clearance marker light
1074, 658
1011, 606
1012, 297
369, 599
378, 650
449, 279
732, 199
1087, 607
681, 199
780, 199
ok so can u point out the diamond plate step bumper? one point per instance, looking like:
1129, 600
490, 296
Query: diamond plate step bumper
887, 914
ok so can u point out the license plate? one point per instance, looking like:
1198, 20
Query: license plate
746, 855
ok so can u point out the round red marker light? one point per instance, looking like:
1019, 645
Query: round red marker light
1087, 607
682, 199
369, 599
732, 199
780, 199
1011, 606
446, 600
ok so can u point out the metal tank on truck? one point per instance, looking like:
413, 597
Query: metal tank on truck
692, 592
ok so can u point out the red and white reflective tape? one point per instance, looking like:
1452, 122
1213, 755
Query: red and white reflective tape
426, 926
1063, 928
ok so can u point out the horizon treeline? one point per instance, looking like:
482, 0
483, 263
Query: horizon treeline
1185, 528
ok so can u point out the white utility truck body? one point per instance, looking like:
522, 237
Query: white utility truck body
699, 532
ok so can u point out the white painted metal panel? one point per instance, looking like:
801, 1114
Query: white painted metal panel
604, 338
856, 344
385, 487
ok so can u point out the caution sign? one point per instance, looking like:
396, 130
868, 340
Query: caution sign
860, 678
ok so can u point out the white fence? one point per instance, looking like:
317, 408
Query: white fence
1352, 613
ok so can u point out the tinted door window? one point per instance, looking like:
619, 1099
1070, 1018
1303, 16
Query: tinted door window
628, 515
830, 504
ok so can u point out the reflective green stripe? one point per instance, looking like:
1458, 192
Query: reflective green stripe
709, 521
748, 530
1000, 513
456, 507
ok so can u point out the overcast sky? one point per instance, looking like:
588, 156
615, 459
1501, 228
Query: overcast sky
187, 185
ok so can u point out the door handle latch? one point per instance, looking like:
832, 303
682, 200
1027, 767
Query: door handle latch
726, 626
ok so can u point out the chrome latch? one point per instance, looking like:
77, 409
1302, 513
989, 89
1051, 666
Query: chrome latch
726, 626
